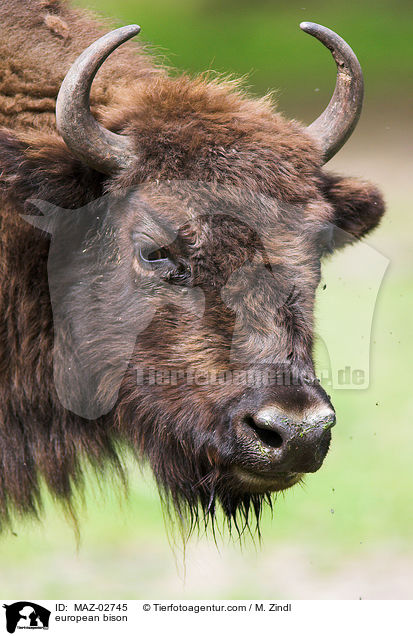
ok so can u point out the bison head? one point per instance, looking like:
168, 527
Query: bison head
183, 300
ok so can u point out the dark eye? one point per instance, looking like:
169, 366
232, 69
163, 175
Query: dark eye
171, 269
149, 255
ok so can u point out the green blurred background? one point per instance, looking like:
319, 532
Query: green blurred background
348, 533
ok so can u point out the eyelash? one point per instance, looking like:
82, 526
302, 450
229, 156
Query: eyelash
153, 256
176, 273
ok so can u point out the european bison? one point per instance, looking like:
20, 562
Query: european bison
187, 222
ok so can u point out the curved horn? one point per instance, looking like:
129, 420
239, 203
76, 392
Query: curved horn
98, 147
335, 125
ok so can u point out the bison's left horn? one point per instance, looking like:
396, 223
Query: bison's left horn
98, 147
335, 125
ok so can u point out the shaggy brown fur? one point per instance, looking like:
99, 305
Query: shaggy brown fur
263, 170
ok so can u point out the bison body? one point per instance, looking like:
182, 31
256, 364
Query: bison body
197, 259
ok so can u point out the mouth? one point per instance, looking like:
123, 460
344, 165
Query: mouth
261, 483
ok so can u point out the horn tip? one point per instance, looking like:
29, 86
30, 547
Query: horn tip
309, 27
133, 29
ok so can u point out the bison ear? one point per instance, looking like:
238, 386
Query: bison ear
38, 165
358, 207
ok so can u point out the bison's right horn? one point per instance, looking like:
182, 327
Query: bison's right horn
98, 147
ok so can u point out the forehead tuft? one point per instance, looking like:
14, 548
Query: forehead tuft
211, 131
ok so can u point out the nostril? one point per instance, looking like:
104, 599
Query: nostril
267, 436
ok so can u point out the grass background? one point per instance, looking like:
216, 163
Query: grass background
348, 532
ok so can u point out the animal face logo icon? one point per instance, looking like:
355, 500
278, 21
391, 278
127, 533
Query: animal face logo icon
26, 615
